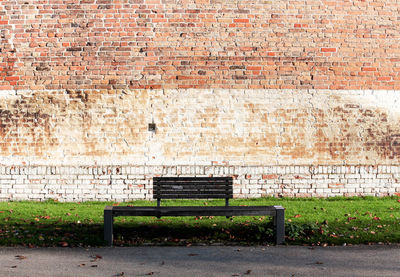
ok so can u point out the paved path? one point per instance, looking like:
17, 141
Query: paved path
202, 261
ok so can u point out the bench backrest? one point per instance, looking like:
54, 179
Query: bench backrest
192, 187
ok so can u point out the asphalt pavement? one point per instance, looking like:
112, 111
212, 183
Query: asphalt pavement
376, 260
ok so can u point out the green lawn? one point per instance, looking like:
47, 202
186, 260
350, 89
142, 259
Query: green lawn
308, 221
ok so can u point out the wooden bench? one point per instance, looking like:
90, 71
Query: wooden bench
197, 188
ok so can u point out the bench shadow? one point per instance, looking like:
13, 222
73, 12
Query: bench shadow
205, 233
136, 233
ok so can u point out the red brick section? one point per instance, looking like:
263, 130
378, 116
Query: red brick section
113, 44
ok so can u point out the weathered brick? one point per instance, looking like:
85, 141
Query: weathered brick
257, 88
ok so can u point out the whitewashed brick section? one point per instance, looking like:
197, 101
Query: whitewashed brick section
124, 183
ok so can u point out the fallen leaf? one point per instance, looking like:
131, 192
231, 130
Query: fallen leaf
319, 263
1, 212
150, 273
63, 243
372, 232
235, 275
376, 218
68, 235
20, 257
248, 272
95, 258
93, 265
324, 244
351, 218
297, 216
13, 266
82, 265
191, 254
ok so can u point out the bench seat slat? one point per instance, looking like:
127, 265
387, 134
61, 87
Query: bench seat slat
192, 187
193, 184
189, 191
179, 189
223, 194
194, 211
179, 179
192, 196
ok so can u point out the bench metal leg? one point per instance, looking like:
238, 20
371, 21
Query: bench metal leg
108, 225
279, 222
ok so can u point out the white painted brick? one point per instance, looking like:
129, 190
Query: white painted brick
129, 181
5, 186
7, 182
384, 176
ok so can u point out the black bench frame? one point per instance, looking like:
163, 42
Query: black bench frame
198, 188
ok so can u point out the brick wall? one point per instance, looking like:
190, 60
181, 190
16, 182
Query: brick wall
108, 44
202, 127
124, 183
293, 98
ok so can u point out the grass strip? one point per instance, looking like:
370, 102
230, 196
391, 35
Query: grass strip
312, 221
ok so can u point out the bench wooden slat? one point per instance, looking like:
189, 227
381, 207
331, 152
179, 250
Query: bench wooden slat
194, 196
188, 191
190, 179
193, 190
189, 184
194, 210
192, 187
182, 179
179, 187
193, 184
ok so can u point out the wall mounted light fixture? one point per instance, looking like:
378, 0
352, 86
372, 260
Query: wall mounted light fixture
152, 127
